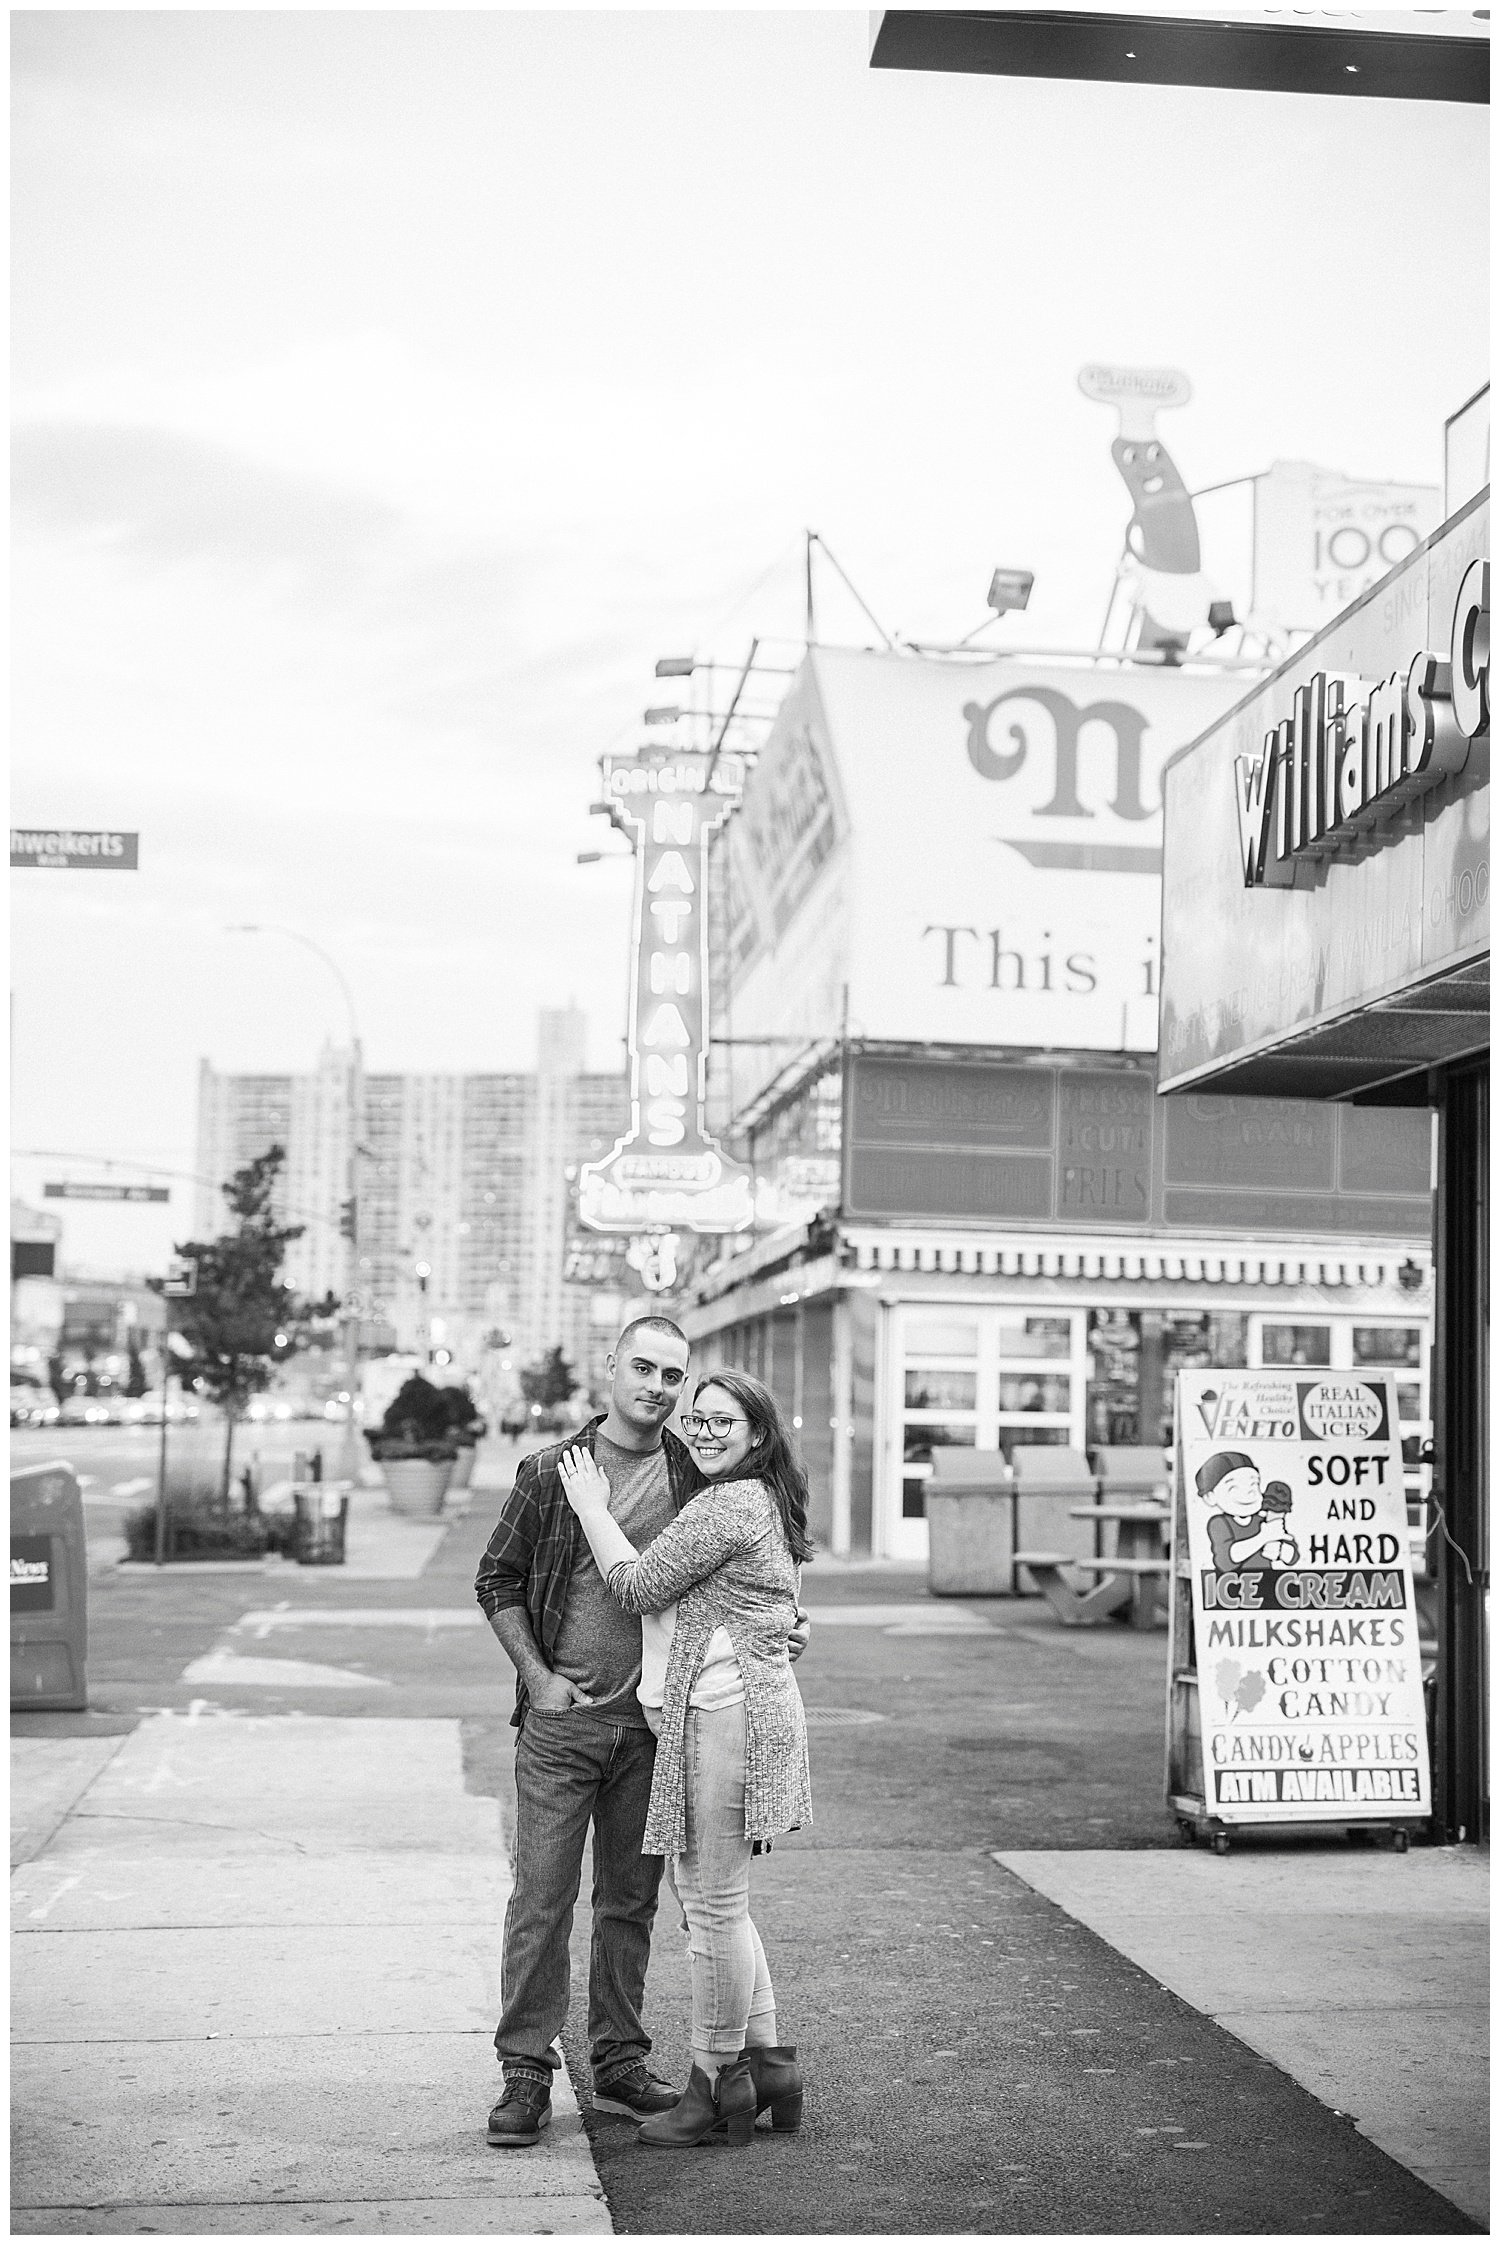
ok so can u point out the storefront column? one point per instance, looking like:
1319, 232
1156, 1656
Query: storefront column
1461, 1450
843, 1424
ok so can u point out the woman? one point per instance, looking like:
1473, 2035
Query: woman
731, 1757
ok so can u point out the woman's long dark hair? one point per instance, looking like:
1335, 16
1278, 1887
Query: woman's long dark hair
772, 1458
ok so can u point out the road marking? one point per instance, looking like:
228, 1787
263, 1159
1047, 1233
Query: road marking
926, 1619
223, 1667
131, 1488
264, 1619
43, 1908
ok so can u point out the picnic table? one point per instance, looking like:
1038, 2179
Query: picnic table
1130, 1579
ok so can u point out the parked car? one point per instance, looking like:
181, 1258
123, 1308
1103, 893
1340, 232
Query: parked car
83, 1411
142, 1410
27, 1404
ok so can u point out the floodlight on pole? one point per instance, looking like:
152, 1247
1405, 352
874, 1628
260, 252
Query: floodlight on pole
664, 716
676, 666
1009, 589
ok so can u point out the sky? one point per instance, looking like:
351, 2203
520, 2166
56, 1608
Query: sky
392, 389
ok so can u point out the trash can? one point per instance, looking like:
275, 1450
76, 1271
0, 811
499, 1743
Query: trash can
1132, 1470
322, 1523
970, 1524
1050, 1479
48, 1590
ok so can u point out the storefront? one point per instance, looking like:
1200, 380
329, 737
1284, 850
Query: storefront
1325, 932
979, 1225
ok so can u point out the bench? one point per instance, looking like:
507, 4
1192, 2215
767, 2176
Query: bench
1123, 1584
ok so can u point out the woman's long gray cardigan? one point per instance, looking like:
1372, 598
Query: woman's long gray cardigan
724, 1562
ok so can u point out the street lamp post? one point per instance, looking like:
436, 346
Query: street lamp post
348, 1468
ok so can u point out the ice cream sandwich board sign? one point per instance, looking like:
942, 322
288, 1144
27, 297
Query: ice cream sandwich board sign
1294, 1628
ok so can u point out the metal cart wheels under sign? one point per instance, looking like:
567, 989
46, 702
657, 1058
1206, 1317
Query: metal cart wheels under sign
1294, 1693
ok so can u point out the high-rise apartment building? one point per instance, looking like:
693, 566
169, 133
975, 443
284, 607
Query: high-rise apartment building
466, 1175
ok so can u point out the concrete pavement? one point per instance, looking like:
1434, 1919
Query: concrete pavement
258, 1942
255, 1980
1363, 1975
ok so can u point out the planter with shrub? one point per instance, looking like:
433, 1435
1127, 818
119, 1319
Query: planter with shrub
414, 1447
467, 1425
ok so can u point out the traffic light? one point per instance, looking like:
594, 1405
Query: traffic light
348, 1220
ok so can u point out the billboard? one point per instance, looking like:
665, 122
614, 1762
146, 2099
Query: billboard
937, 1139
956, 853
1322, 540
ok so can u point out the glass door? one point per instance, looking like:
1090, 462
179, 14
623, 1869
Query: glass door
987, 1379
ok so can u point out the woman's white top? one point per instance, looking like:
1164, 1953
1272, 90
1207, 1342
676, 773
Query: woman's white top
718, 1682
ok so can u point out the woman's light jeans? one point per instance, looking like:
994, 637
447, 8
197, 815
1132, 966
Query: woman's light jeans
733, 2002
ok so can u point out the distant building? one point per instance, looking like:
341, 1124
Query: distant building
467, 1174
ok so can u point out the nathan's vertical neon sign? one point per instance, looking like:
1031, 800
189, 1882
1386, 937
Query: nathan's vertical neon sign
667, 1170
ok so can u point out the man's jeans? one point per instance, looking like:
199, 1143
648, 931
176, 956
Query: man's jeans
570, 1768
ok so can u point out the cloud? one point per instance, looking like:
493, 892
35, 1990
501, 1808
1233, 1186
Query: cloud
180, 498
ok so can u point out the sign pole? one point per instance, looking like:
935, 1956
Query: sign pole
161, 1471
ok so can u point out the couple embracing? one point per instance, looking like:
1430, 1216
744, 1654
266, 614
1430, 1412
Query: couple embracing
646, 1590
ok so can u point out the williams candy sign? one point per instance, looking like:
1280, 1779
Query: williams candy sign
1305, 1626
1353, 752
667, 1172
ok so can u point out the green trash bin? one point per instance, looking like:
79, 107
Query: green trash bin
48, 1590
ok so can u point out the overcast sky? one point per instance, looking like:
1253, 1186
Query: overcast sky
392, 389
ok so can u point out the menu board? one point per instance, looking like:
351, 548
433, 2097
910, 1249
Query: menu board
1304, 1614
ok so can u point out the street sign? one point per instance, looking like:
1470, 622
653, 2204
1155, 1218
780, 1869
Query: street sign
72, 1191
181, 1278
67, 849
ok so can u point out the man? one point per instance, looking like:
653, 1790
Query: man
585, 1753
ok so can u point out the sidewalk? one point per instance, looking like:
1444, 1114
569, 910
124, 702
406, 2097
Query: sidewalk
256, 1962
1363, 1976
255, 1974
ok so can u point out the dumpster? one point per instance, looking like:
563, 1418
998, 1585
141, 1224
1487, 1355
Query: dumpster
970, 1524
322, 1523
1050, 1481
48, 1590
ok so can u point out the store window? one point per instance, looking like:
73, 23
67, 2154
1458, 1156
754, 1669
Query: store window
1134, 1358
1296, 1344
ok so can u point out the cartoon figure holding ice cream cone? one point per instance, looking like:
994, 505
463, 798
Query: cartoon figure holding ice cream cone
1249, 1524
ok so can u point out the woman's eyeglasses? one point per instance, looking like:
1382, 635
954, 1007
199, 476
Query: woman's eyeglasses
718, 1424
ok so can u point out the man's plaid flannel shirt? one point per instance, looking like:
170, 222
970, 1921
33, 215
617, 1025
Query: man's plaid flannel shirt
530, 1556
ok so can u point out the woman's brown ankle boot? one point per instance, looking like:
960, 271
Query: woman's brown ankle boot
726, 2103
778, 2083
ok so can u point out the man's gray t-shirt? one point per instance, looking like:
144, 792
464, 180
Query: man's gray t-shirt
599, 1645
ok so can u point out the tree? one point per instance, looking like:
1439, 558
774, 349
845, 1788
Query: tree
550, 1381
135, 1376
241, 1322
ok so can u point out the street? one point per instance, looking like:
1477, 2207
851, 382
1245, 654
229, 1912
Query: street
977, 2060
